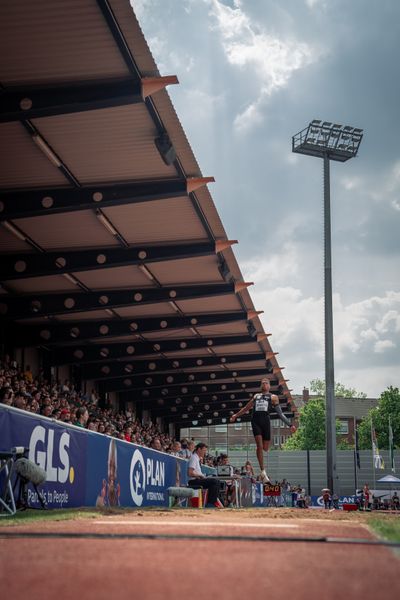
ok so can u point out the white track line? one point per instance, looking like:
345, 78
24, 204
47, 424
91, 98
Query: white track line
199, 524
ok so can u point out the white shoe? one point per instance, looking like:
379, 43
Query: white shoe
264, 477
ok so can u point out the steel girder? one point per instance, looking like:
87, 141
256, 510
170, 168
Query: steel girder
170, 393
24, 265
16, 306
131, 350
19, 103
17, 204
205, 420
176, 379
159, 365
59, 333
204, 402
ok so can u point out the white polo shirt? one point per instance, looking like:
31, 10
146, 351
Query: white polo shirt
194, 463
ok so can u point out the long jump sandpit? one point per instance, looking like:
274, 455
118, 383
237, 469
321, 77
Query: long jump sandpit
181, 553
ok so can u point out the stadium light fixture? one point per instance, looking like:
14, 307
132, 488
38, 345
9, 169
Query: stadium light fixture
329, 141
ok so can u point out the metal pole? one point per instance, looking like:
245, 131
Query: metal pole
329, 370
308, 474
355, 456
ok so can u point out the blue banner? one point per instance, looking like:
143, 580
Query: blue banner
319, 501
85, 468
123, 474
58, 449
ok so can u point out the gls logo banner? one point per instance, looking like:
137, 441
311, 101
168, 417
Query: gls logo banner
146, 474
43, 452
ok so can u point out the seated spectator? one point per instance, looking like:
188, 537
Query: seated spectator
156, 444
198, 480
326, 497
230, 489
395, 502
82, 417
175, 448
247, 470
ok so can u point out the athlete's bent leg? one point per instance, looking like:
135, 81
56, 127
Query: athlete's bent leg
259, 451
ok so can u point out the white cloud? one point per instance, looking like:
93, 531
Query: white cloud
383, 345
274, 267
297, 323
312, 3
271, 59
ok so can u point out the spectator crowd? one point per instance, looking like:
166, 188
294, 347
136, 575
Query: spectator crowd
63, 402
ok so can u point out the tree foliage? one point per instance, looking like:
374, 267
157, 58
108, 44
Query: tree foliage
311, 433
388, 405
317, 387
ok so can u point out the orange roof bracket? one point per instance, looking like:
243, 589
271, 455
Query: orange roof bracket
193, 183
151, 85
221, 245
271, 354
262, 336
242, 285
251, 314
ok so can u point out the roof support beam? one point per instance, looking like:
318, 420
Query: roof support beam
23, 307
217, 401
104, 352
52, 333
31, 102
162, 396
16, 266
157, 365
46, 201
205, 421
180, 381
209, 410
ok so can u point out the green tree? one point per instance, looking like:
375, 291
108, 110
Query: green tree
388, 405
343, 444
317, 387
310, 434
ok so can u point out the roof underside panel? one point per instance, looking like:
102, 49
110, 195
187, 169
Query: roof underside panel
122, 197
22, 165
158, 221
56, 41
116, 142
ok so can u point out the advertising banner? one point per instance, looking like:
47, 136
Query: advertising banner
257, 494
123, 474
319, 501
59, 450
84, 468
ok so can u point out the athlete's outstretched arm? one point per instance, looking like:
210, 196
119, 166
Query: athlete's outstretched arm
278, 410
245, 408
280, 414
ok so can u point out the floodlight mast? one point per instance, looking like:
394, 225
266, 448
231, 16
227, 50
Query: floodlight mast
340, 143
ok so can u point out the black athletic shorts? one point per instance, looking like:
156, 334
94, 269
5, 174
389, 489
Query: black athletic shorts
261, 425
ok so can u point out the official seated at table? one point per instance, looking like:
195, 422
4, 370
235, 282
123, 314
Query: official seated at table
232, 487
198, 480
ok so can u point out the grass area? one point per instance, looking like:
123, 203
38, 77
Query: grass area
30, 516
386, 527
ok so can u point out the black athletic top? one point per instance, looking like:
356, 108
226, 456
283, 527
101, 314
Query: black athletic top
262, 406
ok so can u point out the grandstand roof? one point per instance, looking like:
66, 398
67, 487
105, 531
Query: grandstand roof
113, 255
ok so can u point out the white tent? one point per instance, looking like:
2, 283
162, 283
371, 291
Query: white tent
389, 479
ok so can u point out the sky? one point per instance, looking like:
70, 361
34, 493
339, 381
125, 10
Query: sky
252, 73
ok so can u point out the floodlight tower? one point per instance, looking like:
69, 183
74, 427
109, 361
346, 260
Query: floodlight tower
329, 142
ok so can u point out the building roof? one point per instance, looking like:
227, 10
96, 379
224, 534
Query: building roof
345, 407
113, 254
